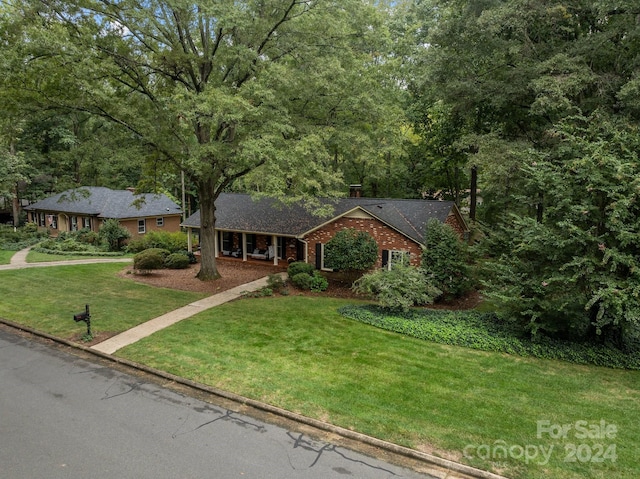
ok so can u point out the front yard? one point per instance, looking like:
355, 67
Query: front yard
494, 411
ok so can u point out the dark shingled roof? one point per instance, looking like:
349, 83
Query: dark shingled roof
107, 203
240, 212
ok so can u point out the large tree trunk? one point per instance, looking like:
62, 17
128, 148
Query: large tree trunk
208, 266
15, 206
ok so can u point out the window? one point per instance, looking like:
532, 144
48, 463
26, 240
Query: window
41, 219
86, 222
281, 247
393, 257
74, 223
227, 241
320, 257
160, 222
251, 243
54, 222
142, 226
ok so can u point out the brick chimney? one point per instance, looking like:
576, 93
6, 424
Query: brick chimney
355, 191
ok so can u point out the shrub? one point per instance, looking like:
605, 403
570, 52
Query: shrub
300, 267
112, 234
149, 259
318, 282
352, 251
189, 254
310, 282
176, 261
301, 281
275, 282
173, 242
444, 260
398, 288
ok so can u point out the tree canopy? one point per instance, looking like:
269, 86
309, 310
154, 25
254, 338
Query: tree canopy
221, 90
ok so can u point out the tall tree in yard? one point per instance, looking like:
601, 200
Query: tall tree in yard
219, 89
549, 95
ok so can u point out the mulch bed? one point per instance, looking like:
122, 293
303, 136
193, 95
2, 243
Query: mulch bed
234, 273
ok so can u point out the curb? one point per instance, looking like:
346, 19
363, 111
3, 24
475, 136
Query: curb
241, 400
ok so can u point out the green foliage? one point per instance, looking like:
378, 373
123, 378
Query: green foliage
150, 259
301, 281
313, 282
276, 282
486, 332
398, 288
318, 282
20, 238
113, 234
299, 267
351, 250
173, 242
444, 260
176, 261
574, 271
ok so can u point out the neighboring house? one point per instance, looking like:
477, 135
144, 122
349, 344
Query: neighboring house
267, 229
88, 206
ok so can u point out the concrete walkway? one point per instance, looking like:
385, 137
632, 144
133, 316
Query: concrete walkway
19, 261
111, 345
143, 330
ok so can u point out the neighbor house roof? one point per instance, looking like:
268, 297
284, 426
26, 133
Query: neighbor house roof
240, 212
107, 203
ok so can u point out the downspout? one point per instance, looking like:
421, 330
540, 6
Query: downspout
306, 249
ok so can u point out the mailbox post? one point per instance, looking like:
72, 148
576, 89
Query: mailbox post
86, 317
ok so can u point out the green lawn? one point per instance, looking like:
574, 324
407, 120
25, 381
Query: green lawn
299, 354
37, 257
47, 298
5, 256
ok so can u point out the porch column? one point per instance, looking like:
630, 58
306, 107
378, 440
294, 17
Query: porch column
189, 240
244, 246
216, 244
274, 244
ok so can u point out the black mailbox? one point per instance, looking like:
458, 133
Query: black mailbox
84, 316
80, 317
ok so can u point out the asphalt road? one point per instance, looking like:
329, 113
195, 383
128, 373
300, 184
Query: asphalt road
63, 416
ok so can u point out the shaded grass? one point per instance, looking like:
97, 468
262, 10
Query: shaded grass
46, 298
300, 354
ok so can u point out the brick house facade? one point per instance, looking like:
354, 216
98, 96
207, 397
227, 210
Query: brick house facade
88, 208
264, 229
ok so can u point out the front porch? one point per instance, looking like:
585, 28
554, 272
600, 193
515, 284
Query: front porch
258, 249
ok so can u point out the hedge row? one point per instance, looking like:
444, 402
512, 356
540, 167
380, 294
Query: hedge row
112, 254
484, 331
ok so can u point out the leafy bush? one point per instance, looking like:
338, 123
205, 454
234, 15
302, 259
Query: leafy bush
275, 282
444, 260
173, 242
176, 261
21, 238
351, 250
312, 282
398, 288
318, 282
300, 267
149, 259
189, 254
112, 234
486, 332
301, 280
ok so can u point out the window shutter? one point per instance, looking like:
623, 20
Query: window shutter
318, 255
385, 257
